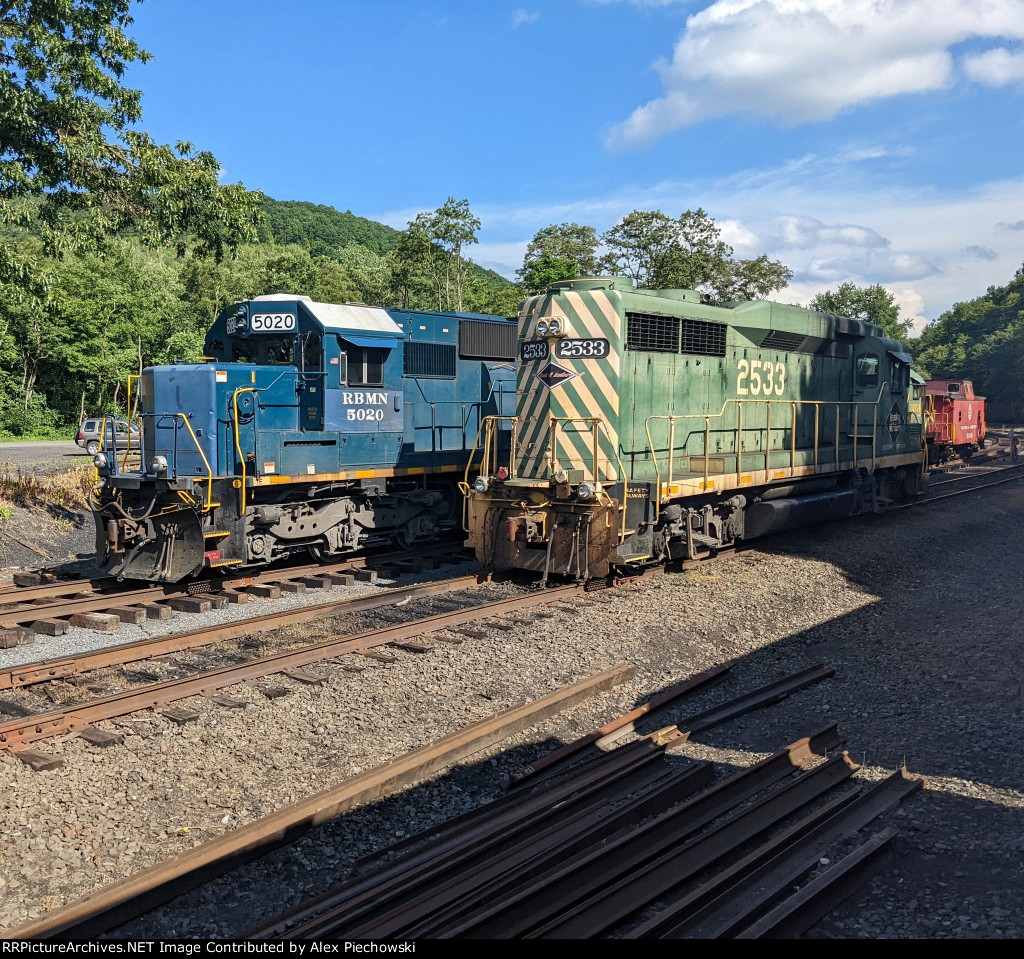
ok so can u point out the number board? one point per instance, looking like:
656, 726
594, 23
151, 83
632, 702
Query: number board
581, 349
533, 350
272, 322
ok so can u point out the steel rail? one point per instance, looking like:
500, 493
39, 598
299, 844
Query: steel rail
756, 699
734, 897
77, 664
102, 911
19, 733
928, 500
430, 881
622, 892
641, 846
513, 864
610, 732
107, 592
823, 893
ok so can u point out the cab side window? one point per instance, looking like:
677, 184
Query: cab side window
867, 371
900, 381
365, 366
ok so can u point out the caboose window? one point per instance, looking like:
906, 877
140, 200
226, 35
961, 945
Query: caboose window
867, 371
365, 366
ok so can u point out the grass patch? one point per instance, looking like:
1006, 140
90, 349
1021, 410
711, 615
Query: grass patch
65, 491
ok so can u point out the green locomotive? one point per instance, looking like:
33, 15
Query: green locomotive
655, 424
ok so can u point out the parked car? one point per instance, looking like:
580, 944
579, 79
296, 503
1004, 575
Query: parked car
125, 435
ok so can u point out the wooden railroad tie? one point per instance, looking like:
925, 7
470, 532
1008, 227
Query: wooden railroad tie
100, 622
190, 604
101, 737
38, 761
11, 636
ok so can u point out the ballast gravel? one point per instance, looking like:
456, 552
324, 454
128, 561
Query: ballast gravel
919, 613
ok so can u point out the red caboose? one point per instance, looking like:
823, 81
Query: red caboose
954, 420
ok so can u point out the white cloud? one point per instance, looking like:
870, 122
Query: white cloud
911, 305
805, 232
807, 60
995, 68
863, 267
523, 18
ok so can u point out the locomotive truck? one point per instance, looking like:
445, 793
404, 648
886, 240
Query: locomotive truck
657, 424
309, 426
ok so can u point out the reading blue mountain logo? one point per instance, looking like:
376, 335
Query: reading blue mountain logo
554, 375
894, 422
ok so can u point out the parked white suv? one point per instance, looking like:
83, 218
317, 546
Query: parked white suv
125, 435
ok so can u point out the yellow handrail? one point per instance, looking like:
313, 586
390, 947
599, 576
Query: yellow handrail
209, 472
740, 403
238, 442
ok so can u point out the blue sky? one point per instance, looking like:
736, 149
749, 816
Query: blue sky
877, 141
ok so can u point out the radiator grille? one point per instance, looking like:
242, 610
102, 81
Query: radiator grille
787, 342
653, 334
483, 340
670, 334
430, 360
701, 337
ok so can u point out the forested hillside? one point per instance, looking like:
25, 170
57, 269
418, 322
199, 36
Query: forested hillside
126, 302
981, 340
321, 229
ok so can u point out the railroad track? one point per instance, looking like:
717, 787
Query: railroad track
52, 608
981, 478
33, 726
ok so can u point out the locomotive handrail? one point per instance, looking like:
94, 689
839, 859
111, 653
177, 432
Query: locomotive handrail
207, 505
487, 430
594, 421
238, 441
793, 404
209, 470
113, 450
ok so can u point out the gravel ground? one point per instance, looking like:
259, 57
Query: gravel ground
918, 613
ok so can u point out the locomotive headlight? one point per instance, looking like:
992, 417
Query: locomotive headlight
481, 484
542, 328
100, 461
554, 327
588, 490
158, 465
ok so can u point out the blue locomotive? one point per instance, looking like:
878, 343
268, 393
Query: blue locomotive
310, 426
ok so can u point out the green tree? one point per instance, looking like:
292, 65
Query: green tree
66, 139
431, 250
688, 253
561, 251
872, 303
754, 279
698, 258
639, 246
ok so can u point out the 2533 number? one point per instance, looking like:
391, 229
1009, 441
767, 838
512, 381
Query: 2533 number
760, 378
